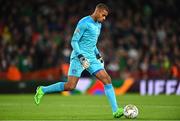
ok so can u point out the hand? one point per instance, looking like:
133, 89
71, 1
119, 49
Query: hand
100, 58
83, 61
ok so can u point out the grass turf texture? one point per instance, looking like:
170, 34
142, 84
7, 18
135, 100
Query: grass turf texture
87, 108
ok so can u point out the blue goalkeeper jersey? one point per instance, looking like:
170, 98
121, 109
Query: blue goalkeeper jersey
85, 38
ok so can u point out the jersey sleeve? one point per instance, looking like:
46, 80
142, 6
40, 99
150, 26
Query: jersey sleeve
80, 29
96, 51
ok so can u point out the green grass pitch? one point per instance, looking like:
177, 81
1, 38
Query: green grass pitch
87, 108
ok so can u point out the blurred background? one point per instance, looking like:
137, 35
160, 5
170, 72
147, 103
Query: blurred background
140, 43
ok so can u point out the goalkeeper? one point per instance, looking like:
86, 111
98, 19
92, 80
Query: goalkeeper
85, 55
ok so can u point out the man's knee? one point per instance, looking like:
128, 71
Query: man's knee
69, 86
106, 79
109, 78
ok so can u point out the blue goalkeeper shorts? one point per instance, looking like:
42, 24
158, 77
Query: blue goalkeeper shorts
76, 67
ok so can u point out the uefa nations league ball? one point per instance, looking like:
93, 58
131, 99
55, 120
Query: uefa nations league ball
130, 111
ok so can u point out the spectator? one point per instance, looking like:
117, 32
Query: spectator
142, 34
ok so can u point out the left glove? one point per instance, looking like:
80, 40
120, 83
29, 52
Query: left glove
100, 58
85, 63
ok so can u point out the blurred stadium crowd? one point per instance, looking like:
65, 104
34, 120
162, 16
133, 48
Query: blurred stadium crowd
138, 37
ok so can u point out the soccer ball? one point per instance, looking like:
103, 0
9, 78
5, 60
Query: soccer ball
130, 111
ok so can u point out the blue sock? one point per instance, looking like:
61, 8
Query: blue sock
109, 91
57, 87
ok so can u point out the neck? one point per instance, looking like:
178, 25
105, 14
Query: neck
93, 16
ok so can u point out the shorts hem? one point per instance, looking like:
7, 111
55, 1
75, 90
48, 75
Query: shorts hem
75, 75
94, 73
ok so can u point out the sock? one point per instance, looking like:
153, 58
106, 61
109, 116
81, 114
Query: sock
109, 91
57, 87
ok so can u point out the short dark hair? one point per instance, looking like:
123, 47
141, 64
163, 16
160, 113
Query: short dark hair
102, 6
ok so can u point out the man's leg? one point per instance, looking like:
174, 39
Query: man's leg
109, 91
57, 87
74, 73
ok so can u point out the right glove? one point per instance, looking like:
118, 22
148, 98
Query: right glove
83, 61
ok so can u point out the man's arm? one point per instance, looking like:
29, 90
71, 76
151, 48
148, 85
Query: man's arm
96, 51
98, 56
79, 31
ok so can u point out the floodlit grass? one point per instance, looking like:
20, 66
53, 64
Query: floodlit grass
87, 108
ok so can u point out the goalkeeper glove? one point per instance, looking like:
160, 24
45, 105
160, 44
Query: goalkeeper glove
100, 58
83, 61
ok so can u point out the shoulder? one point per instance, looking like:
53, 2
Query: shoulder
85, 20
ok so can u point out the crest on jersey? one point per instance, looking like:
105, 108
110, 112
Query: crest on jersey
74, 71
